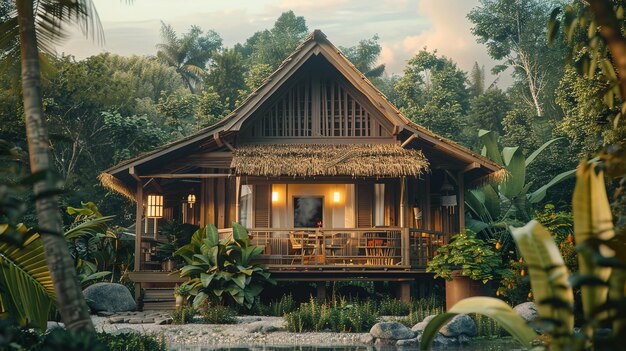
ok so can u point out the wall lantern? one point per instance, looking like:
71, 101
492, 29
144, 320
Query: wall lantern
191, 199
274, 196
336, 196
155, 206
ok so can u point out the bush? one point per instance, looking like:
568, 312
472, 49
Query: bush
422, 308
218, 314
393, 307
487, 327
276, 308
338, 317
183, 315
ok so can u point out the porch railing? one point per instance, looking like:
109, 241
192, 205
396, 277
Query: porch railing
345, 247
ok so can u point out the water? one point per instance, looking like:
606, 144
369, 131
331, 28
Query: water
502, 344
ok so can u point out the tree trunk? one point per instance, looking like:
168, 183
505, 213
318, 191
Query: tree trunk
70, 299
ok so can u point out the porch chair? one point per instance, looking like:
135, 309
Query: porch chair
336, 245
301, 245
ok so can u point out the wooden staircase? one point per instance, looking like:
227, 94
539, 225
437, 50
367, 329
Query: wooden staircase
159, 299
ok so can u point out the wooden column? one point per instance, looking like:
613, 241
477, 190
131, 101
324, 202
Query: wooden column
406, 247
138, 215
461, 199
321, 291
237, 196
404, 291
402, 202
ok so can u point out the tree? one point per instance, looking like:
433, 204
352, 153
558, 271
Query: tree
487, 110
272, 46
434, 94
226, 76
477, 80
515, 31
47, 22
188, 54
364, 56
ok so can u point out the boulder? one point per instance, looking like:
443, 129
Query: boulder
367, 339
391, 331
419, 327
527, 310
109, 297
53, 325
461, 324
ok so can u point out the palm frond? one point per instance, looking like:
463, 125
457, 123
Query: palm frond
26, 290
88, 227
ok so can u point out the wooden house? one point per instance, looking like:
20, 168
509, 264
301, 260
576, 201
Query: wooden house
326, 173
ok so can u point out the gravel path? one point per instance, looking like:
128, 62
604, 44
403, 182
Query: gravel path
247, 332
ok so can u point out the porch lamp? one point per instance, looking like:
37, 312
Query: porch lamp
448, 198
336, 196
274, 196
191, 199
155, 206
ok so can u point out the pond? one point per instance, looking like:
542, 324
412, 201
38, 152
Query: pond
503, 344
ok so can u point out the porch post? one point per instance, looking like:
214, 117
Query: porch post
237, 195
138, 215
461, 183
402, 201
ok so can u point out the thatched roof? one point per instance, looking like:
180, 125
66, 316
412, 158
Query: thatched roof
298, 160
109, 181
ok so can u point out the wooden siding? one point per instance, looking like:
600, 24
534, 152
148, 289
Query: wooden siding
262, 206
365, 205
315, 107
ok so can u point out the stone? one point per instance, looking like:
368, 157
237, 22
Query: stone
463, 339
461, 324
109, 297
392, 331
124, 331
366, 339
135, 321
116, 319
419, 327
105, 314
54, 325
385, 343
527, 310
147, 320
407, 343
441, 340
163, 321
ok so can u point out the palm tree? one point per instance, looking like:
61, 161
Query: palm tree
41, 23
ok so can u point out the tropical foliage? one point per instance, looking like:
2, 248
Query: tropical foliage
223, 270
474, 258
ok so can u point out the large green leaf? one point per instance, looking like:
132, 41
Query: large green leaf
240, 234
492, 202
90, 226
212, 236
536, 153
493, 308
592, 221
539, 194
549, 278
514, 161
490, 142
26, 290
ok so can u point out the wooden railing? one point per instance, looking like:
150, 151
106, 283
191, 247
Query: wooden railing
345, 247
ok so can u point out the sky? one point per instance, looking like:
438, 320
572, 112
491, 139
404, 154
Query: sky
404, 26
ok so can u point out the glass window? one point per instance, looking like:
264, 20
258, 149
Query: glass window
245, 206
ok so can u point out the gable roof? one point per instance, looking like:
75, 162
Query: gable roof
315, 44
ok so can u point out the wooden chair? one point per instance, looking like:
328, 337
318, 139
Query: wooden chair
336, 245
301, 246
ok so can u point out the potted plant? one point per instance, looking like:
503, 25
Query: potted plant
467, 264
165, 255
177, 234
182, 293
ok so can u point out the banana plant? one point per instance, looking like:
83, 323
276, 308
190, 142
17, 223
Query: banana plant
492, 208
223, 270
602, 261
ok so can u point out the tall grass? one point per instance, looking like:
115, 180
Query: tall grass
338, 316
422, 308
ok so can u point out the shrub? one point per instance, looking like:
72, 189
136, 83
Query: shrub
222, 270
218, 314
338, 317
487, 327
183, 315
393, 307
422, 308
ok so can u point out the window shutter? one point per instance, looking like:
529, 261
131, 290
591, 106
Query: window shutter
262, 206
365, 199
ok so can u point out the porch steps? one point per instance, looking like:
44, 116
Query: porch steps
159, 299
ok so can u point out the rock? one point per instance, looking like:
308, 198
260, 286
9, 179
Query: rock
461, 324
407, 343
54, 325
392, 331
105, 314
366, 339
124, 331
116, 319
135, 321
163, 321
441, 340
419, 327
527, 310
385, 343
463, 339
147, 320
109, 297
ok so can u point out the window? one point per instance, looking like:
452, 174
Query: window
245, 206
379, 204
308, 211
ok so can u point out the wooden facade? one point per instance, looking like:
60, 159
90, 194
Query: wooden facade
377, 208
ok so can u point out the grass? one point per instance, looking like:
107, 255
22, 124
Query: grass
218, 314
336, 316
276, 308
182, 315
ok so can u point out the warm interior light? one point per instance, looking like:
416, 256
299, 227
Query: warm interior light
336, 196
191, 199
155, 206
274, 196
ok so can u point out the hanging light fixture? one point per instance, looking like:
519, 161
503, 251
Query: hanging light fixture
191, 199
448, 198
155, 206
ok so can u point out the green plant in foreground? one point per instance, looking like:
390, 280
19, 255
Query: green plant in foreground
218, 314
602, 278
340, 317
223, 269
472, 256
